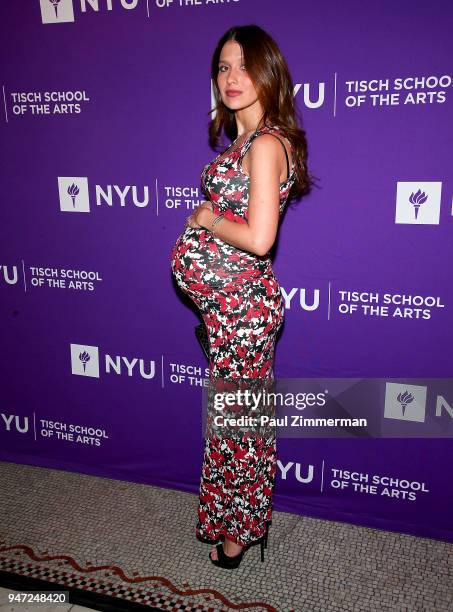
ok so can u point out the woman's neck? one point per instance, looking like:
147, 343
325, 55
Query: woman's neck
248, 122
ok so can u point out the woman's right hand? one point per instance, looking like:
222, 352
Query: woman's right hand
191, 220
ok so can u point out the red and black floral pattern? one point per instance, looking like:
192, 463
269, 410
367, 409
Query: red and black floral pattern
240, 301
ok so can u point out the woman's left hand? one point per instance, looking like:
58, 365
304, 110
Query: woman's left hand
194, 219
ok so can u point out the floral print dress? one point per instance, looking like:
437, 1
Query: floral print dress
239, 299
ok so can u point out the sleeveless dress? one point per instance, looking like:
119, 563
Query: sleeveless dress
239, 299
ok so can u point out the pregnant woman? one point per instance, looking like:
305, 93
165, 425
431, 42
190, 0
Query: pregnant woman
222, 262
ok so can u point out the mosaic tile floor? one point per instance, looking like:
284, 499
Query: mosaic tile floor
135, 543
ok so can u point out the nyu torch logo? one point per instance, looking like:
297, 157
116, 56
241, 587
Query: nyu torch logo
404, 399
409, 402
85, 360
417, 199
405, 402
73, 192
55, 4
62, 11
57, 11
418, 203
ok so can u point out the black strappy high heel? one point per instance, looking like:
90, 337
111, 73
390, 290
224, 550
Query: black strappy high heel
227, 562
224, 560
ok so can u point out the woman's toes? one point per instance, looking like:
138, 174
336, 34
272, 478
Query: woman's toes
214, 553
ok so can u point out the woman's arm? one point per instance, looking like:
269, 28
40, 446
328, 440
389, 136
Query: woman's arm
258, 234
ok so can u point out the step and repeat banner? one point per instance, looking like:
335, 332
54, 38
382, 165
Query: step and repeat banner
105, 108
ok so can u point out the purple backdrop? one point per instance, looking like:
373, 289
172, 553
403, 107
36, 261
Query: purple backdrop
104, 136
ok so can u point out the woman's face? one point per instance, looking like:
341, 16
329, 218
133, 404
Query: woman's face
236, 87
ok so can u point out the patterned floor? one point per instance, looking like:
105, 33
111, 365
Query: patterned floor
135, 543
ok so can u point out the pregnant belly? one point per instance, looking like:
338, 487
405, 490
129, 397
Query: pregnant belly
201, 263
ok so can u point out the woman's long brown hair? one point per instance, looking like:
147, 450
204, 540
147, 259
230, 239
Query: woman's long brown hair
272, 80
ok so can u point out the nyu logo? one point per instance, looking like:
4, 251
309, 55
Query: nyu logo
14, 422
405, 402
308, 96
293, 470
74, 196
418, 203
62, 11
408, 403
8, 276
85, 362
73, 192
308, 299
